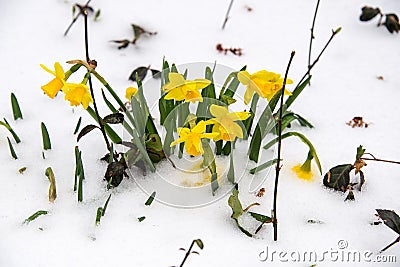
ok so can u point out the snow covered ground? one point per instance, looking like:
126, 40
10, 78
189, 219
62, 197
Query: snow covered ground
344, 85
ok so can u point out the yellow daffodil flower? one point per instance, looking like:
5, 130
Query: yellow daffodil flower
225, 124
303, 171
77, 93
180, 89
130, 91
192, 138
266, 84
54, 86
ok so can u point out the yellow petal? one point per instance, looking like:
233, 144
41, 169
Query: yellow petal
248, 95
175, 93
236, 116
201, 83
130, 91
47, 69
191, 95
235, 130
209, 135
199, 128
53, 87
218, 111
243, 77
262, 75
177, 141
59, 71
301, 173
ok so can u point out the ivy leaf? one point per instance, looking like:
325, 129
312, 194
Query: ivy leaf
391, 219
338, 177
87, 129
140, 72
123, 43
154, 148
392, 23
114, 118
115, 171
368, 13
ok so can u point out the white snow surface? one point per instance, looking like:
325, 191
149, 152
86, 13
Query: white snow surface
344, 85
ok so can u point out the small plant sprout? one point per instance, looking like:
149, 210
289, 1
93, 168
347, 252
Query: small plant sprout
391, 220
79, 174
12, 151
199, 244
45, 137
338, 177
8, 127
52, 188
101, 211
138, 32
15, 107
150, 199
35, 216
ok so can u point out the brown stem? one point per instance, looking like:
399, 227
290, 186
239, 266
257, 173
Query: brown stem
391, 244
76, 18
319, 56
187, 253
381, 160
227, 14
311, 39
99, 119
278, 168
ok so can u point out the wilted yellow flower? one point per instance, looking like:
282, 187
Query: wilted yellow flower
303, 171
130, 91
77, 93
266, 84
192, 138
180, 89
54, 86
225, 124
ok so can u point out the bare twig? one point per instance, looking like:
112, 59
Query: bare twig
312, 38
278, 168
381, 160
391, 244
81, 11
227, 14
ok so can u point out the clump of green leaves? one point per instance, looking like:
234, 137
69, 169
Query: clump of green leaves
237, 211
390, 20
138, 32
338, 177
391, 220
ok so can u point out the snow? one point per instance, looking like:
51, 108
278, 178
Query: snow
344, 85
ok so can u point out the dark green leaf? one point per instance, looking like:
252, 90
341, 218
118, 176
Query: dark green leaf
115, 171
8, 127
392, 23
78, 125
123, 43
12, 151
106, 205
391, 219
98, 215
140, 72
35, 216
15, 107
115, 138
263, 166
141, 219
97, 15
108, 103
150, 199
155, 73
87, 129
199, 243
231, 171
214, 183
261, 218
338, 177
368, 13
296, 92
114, 118
45, 137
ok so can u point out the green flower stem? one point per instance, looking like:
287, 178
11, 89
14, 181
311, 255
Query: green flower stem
307, 164
73, 69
